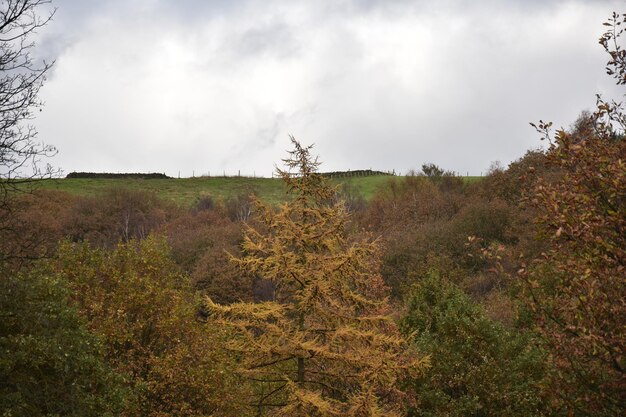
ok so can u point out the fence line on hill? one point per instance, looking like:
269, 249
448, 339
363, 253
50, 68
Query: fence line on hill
333, 174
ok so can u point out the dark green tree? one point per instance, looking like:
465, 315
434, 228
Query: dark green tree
479, 368
50, 365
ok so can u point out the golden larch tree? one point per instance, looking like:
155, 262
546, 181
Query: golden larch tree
325, 344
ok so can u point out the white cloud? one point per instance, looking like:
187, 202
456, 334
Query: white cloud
142, 88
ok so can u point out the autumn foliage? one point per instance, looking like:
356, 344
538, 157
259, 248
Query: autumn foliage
324, 345
437, 297
135, 299
578, 286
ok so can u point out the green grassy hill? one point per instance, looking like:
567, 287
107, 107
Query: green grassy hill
185, 191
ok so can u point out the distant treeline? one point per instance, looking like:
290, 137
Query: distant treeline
144, 176
357, 173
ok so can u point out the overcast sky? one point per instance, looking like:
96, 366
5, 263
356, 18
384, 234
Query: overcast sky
213, 86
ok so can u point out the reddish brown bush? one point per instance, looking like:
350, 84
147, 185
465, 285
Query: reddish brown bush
34, 226
201, 243
117, 215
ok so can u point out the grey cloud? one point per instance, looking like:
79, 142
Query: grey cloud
274, 38
268, 136
214, 86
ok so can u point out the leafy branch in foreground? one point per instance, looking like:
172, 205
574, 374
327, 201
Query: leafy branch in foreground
576, 289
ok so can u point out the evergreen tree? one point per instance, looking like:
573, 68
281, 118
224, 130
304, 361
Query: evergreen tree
324, 345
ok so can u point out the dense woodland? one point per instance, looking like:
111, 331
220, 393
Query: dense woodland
437, 297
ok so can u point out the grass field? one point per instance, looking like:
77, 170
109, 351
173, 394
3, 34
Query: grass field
186, 191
